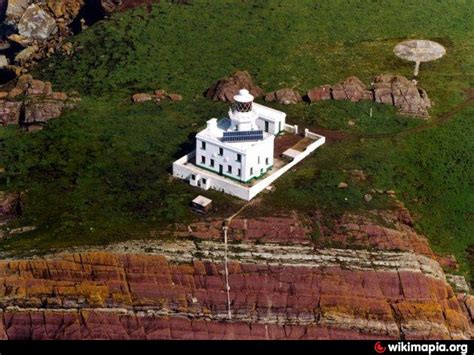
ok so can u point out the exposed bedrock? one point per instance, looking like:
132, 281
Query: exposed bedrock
31, 103
152, 296
36, 29
285, 96
388, 89
381, 281
226, 88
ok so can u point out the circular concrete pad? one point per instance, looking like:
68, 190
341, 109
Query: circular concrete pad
418, 51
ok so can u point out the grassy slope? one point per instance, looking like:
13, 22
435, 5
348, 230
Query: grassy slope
104, 166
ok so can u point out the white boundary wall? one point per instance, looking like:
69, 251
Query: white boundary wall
290, 128
261, 185
183, 169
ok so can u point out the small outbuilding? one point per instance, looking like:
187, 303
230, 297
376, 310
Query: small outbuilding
201, 204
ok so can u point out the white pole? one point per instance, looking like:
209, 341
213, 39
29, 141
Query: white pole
417, 68
227, 287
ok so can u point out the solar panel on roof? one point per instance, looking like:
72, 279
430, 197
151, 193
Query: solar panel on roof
242, 136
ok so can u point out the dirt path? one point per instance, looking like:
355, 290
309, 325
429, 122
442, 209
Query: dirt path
334, 135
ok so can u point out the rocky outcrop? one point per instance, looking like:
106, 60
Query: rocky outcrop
37, 29
110, 6
16, 8
355, 231
225, 89
392, 90
319, 93
282, 230
402, 93
33, 102
141, 97
10, 111
40, 29
159, 95
35, 23
395, 90
352, 89
284, 96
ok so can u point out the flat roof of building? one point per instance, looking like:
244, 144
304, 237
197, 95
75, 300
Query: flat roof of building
202, 201
268, 113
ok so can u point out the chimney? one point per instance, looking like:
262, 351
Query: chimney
212, 124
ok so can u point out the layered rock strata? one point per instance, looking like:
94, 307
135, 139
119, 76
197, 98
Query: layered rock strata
137, 296
381, 281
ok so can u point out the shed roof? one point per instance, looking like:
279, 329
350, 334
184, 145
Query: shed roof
202, 201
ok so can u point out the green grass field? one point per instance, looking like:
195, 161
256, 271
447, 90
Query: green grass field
101, 173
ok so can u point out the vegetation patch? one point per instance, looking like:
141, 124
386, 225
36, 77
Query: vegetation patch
101, 173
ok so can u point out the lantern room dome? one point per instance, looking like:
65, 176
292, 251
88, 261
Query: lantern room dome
243, 96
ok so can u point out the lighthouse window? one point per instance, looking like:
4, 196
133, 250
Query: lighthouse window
229, 169
251, 171
212, 162
243, 106
221, 151
203, 159
203, 145
239, 157
266, 161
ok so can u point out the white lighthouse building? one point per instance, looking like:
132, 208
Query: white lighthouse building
241, 146
235, 154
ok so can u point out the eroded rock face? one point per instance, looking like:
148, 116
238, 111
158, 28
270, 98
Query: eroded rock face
16, 8
319, 93
225, 89
65, 8
36, 23
41, 111
395, 90
280, 230
352, 89
32, 102
284, 96
402, 93
281, 287
10, 112
140, 293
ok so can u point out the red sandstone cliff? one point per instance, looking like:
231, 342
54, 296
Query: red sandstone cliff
282, 287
